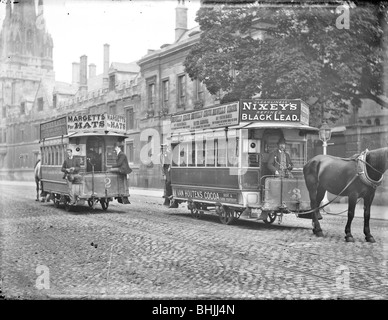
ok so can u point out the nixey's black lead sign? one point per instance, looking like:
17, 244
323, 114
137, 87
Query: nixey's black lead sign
285, 110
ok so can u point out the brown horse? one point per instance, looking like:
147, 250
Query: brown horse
355, 177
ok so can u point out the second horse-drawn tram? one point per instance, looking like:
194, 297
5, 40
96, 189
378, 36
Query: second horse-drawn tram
91, 138
220, 159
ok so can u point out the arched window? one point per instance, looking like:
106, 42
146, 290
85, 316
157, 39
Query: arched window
29, 41
368, 121
377, 121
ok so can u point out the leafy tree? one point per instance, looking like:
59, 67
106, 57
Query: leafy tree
301, 53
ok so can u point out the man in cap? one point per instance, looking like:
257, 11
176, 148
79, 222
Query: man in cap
70, 167
279, 161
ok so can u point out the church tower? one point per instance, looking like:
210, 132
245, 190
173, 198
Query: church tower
24, 40
27, 80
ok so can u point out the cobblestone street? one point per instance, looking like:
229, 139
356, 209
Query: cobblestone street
145, 251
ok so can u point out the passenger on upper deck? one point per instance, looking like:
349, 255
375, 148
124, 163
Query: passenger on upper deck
279, 161
71, 167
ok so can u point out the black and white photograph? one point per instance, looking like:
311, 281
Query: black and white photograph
193, 154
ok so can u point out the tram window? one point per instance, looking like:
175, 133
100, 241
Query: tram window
210, 152
56, 155
43, 151
175, 155
221, 152
297, 152
110, 156
49, 155
60, 155
191, 153
200, 150
232, 152
183, 155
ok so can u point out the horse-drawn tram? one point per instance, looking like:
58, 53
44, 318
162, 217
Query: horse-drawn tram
220, 159
91, 139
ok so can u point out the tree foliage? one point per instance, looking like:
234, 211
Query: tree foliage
292, 51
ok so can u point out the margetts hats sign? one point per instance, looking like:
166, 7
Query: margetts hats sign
96, 122
101, 122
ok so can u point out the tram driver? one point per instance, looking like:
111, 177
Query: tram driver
279, 161
71, 168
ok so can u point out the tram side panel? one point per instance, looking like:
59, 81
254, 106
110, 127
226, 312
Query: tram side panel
52, 179
233, 186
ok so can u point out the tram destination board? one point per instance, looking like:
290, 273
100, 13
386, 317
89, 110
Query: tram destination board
54, 128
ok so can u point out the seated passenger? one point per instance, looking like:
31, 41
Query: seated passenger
279, 161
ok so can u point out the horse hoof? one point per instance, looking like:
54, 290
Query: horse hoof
370, 239
349, 239
319, 234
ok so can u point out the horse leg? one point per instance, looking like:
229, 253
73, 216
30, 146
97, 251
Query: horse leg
37, 190
351, 207
318, 199
367, 204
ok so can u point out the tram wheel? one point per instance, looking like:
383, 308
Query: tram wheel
56, 201
90, 203
68, 207
104, 204
271, 217
226, 215
197, 214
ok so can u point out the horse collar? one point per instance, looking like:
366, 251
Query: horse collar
362, 172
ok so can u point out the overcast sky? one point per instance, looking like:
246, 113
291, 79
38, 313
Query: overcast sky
130, 27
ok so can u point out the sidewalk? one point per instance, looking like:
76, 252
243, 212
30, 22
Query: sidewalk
377, 212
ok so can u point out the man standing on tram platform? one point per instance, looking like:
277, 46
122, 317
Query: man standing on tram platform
165, 161
279, 161
71, 168
122, 167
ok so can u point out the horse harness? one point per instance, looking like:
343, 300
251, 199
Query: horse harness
362, 172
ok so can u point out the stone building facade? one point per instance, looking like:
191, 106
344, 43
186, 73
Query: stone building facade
147, 92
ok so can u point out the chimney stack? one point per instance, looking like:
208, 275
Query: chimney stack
75, 74
92, 70
106, 66
181, 19
83, 76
